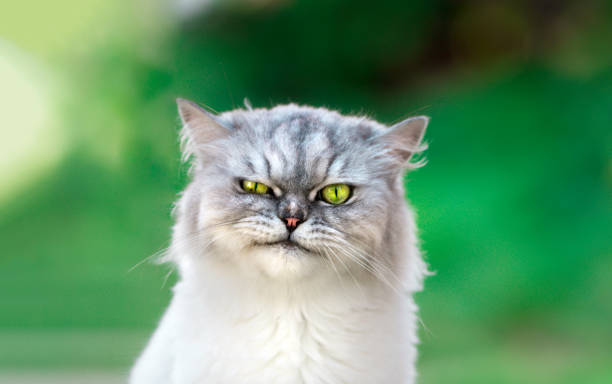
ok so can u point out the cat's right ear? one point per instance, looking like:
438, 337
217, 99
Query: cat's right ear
200, 126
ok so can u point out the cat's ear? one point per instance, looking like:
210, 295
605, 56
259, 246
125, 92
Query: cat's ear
404, 138
199, 125
200, 128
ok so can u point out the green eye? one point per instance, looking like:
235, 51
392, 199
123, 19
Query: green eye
336, 193
254, 187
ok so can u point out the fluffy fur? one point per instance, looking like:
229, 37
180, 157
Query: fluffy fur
336, 307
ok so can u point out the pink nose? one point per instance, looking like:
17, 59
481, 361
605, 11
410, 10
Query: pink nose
292, 222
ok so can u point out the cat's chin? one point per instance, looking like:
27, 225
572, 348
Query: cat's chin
284, 259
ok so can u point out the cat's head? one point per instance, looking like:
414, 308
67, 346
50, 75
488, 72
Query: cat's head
294, 191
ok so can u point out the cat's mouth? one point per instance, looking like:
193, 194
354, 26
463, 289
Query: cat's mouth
285, 244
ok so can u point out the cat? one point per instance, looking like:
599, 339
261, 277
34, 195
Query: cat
296, 250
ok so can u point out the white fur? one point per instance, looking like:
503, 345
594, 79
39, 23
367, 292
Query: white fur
221, 329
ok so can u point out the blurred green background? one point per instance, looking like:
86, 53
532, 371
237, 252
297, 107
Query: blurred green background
514, 206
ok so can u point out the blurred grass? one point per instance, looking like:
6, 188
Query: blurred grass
72, 350
514, 205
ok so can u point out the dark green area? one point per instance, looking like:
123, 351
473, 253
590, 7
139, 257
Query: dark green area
514, 205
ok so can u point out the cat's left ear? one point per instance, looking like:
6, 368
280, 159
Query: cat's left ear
404, 138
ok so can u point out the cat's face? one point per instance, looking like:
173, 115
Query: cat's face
293, 191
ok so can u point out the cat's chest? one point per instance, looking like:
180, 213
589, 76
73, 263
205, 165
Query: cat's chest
291, 344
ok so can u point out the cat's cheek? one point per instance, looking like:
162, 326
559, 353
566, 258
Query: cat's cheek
226, 244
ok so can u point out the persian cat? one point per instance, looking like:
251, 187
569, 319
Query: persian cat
296, 250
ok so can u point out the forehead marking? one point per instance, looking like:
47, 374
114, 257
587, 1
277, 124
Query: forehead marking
267, 164
320, 155
301, 126
299, 151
